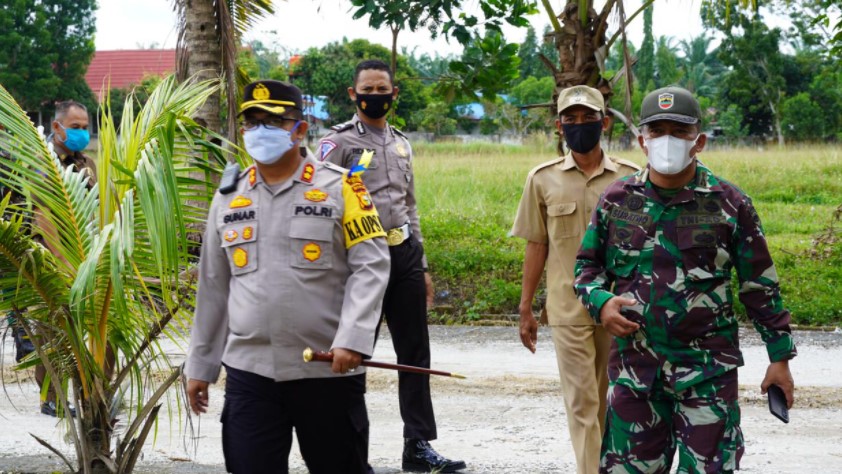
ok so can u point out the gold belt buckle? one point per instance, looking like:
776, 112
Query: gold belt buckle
394, 237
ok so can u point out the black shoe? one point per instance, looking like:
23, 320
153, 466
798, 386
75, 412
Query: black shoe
23, 345
419, 456
49, 408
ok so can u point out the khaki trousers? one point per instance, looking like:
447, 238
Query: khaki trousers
582, 353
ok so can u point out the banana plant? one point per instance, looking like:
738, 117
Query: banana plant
118, 273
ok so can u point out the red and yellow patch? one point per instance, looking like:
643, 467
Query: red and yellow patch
360, 221
312, 251
240, 257
361, 192
230, 235
307, 173
316, 195
240, 201
252, 176
248, 233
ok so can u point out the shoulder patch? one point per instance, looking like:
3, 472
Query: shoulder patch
342, 127
325, 147
360, 221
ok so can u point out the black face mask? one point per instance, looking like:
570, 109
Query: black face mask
582, 137
374, 105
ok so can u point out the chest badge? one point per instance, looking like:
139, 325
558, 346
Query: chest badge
401, 150
248, 233
316, 195
230, 235
241, 258
312, 251
240, 201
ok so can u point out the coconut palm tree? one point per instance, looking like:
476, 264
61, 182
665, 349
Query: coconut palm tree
210, 33
118, 278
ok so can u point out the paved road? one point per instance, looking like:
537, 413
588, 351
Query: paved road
507, 417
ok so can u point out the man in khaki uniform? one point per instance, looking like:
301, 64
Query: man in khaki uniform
293, 257
554, 212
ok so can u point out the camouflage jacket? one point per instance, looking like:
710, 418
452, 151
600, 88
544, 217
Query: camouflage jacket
675, 259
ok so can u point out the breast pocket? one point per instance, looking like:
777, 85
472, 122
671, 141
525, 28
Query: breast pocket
704, 252
240, 244
562, 220
311, 243
625, 243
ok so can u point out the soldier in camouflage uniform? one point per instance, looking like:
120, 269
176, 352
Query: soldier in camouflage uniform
655, 270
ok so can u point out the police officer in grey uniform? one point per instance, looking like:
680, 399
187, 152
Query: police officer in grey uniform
293, 257
389, 179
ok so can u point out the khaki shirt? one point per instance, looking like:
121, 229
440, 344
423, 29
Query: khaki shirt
303, 266
389, 176
555, 209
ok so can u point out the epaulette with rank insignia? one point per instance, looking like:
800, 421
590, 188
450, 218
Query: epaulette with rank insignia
399, 132
342, 127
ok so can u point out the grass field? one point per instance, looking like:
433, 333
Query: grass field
468, 196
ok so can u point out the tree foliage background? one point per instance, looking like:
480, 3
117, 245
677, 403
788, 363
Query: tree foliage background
45, 49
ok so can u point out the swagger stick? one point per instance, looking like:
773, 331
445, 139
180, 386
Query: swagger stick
310, 355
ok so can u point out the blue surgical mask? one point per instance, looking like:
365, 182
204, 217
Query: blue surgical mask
267, 145
77, 139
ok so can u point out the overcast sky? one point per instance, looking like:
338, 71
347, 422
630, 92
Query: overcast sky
300, 24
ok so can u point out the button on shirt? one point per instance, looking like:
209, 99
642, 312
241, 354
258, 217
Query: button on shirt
554, 210
302, 265
389, 176
674, 256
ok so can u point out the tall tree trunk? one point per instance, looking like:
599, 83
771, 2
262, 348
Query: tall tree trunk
201, 54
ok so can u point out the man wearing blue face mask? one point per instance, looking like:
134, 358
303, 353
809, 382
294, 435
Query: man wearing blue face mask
655, 269
293, 257
70, 137
556, 206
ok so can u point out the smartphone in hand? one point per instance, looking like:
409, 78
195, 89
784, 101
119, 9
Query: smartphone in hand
777, 403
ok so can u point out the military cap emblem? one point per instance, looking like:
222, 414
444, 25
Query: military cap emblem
665, 100
312, 251
248, 233
316, 195
261, 92
240, 257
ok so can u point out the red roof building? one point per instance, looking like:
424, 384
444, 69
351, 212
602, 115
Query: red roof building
125, 68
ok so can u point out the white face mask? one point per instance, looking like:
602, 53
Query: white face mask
268, 145
668, 154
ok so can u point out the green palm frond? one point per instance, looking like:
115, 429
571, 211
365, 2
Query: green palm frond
120, 276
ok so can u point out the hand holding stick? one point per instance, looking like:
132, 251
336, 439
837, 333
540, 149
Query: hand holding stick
311, 355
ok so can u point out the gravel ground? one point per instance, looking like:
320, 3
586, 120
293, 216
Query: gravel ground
506, 417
